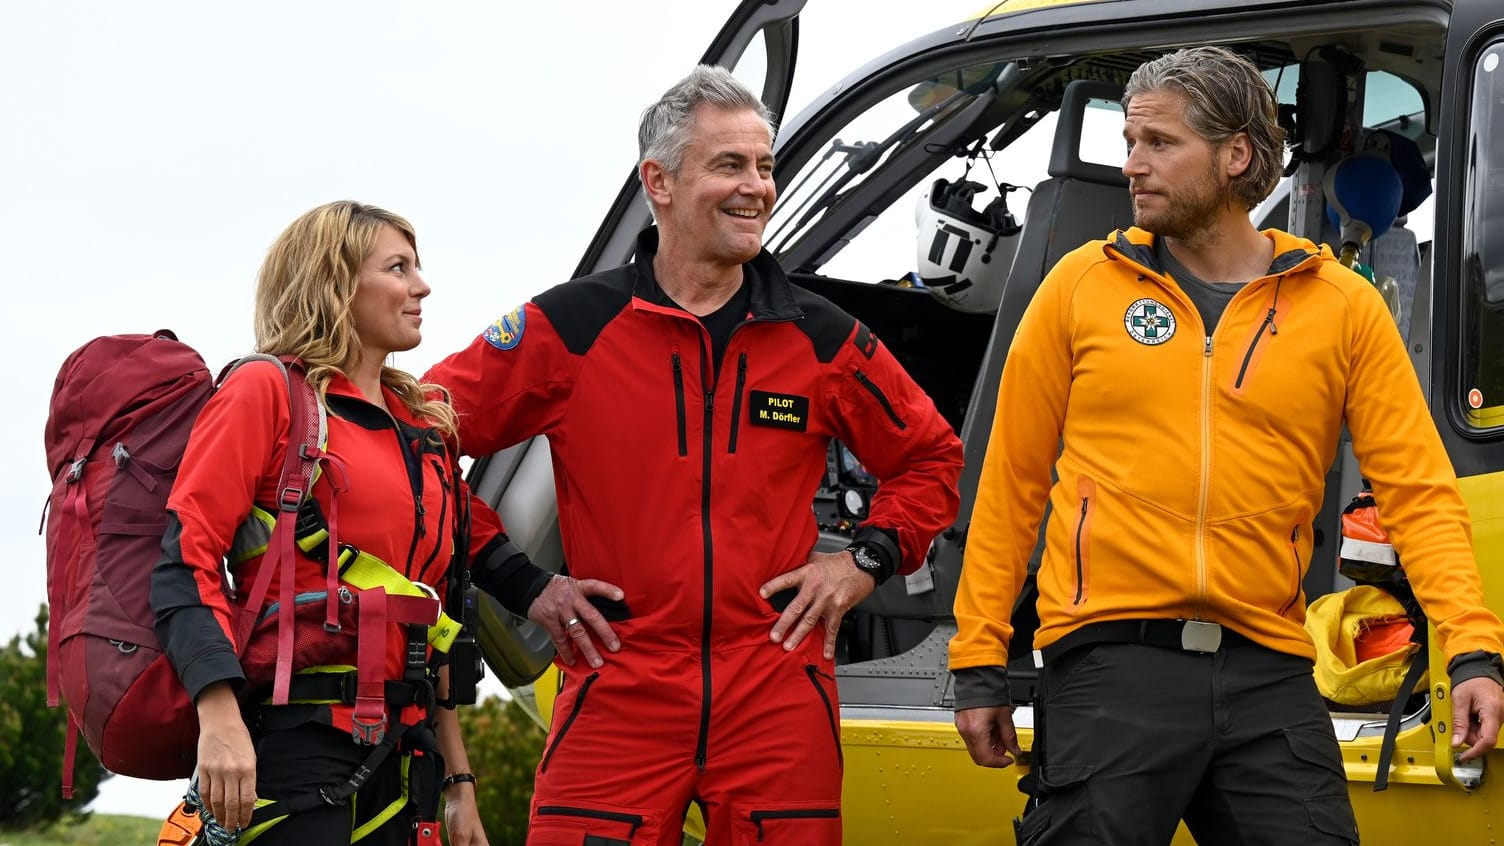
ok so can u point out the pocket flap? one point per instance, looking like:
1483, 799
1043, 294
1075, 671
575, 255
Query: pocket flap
816, 823
1333, 815
1055, 777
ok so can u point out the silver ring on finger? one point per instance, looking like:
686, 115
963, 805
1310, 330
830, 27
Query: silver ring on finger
571, 622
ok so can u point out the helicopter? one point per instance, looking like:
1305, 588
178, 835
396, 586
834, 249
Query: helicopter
1027, 89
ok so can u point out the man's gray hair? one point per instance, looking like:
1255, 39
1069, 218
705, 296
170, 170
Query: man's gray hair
667, 125
1225, 94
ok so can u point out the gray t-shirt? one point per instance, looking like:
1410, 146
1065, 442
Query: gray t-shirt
1210, 299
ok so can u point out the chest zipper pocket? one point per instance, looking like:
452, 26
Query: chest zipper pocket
736, 403
433, 554
679, 404
882, 400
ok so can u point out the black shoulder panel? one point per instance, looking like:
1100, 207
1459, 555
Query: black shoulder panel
824, 322
581, 308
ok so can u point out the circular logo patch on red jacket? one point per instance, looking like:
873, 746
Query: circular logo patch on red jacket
1149, 322
506, 332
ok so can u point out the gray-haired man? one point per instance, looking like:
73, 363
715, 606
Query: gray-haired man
689, 398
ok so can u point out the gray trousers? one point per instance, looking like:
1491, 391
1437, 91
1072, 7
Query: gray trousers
1237, 743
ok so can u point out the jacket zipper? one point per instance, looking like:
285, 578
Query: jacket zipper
574, 711
830, 712
679, 405
415, 482
882, 400
1080, 558
702, 742
1295, 579
793, 814
736, 402
1203, 491
633, 820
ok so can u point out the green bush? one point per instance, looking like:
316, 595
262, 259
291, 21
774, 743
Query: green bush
504, 746
31, 741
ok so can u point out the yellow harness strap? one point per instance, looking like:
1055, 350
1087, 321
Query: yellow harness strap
364, 571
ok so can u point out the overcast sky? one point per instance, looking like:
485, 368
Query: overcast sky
153, 150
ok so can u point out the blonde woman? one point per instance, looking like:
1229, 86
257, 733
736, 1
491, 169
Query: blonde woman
340, 290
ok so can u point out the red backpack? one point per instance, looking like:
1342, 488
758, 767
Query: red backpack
122, 408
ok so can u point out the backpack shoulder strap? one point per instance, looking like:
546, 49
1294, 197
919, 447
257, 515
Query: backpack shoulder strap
307, 435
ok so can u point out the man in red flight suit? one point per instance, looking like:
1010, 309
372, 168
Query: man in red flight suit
689, 398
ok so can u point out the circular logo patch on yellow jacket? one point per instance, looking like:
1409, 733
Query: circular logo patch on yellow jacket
1149, 322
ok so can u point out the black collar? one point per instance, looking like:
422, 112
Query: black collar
772, 293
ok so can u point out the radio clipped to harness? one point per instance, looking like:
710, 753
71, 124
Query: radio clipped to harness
466, 667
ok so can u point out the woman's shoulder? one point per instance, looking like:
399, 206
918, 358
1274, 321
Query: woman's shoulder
253, 380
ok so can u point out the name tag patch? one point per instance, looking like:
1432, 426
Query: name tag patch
780, 411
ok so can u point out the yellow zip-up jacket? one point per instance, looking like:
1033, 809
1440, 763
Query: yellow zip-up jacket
1190, 467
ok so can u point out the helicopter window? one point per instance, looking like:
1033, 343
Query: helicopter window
884, 245
1482, 378
1101, 131
863, 148
1388, 100
752, 68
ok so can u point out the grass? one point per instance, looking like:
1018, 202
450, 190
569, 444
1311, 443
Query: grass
97, 830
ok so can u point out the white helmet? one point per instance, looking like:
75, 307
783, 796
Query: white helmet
964, 255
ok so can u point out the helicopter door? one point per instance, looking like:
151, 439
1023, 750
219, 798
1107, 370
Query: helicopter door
1467, 391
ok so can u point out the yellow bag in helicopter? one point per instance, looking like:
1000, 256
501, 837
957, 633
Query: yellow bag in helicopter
1363, 645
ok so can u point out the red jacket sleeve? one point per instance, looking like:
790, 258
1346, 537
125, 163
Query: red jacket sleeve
506, 390
895, 431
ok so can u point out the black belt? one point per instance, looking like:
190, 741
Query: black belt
340, 687
1183, 635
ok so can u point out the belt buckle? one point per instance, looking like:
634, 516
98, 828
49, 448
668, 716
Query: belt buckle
1200, 636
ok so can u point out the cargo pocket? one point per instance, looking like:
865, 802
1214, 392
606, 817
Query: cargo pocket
786, 823
1328, 809
1063, 800
587, 824
1332, 816
1320, 759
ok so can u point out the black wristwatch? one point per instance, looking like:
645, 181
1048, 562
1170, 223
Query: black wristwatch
867, 561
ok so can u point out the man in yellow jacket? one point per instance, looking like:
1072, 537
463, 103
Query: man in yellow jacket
1198, 372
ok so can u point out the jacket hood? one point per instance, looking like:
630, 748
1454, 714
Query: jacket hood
1291, 253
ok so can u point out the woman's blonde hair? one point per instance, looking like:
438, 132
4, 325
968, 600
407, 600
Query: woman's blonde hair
304, 292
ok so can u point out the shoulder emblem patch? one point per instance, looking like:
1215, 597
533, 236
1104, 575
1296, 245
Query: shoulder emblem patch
864, 340
506, 331
1149, 322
